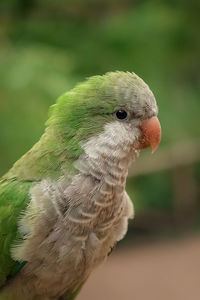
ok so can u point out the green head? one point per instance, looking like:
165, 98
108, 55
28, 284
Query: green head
83, 112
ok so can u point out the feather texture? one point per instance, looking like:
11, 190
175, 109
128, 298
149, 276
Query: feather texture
14, 197
63, 205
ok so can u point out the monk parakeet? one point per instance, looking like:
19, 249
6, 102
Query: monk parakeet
63, 205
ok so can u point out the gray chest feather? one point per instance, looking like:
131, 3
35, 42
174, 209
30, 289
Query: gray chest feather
72, 232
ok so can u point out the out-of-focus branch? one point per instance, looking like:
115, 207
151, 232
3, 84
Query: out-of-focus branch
180, 154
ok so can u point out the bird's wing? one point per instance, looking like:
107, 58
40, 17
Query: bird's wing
14, 197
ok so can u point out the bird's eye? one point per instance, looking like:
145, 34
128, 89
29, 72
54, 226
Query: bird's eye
121, 114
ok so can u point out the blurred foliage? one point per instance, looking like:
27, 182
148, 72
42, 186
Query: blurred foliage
47, 46
142, 190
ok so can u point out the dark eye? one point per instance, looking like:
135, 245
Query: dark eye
121, 114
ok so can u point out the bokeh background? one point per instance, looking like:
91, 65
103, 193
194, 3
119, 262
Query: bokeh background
46, 47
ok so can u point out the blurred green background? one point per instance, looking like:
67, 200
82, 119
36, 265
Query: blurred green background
47, 46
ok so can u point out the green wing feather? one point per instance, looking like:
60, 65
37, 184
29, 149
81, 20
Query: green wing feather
14, 197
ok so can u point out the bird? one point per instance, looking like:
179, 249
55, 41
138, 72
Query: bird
63, 205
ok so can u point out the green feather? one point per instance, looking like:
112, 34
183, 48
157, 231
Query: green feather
14, 197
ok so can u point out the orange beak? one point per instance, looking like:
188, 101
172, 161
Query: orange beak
151, 130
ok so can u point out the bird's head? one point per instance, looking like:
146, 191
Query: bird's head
118, 107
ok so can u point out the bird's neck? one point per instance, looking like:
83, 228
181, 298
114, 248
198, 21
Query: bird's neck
106, 160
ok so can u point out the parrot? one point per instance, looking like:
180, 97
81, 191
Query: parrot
63, 205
